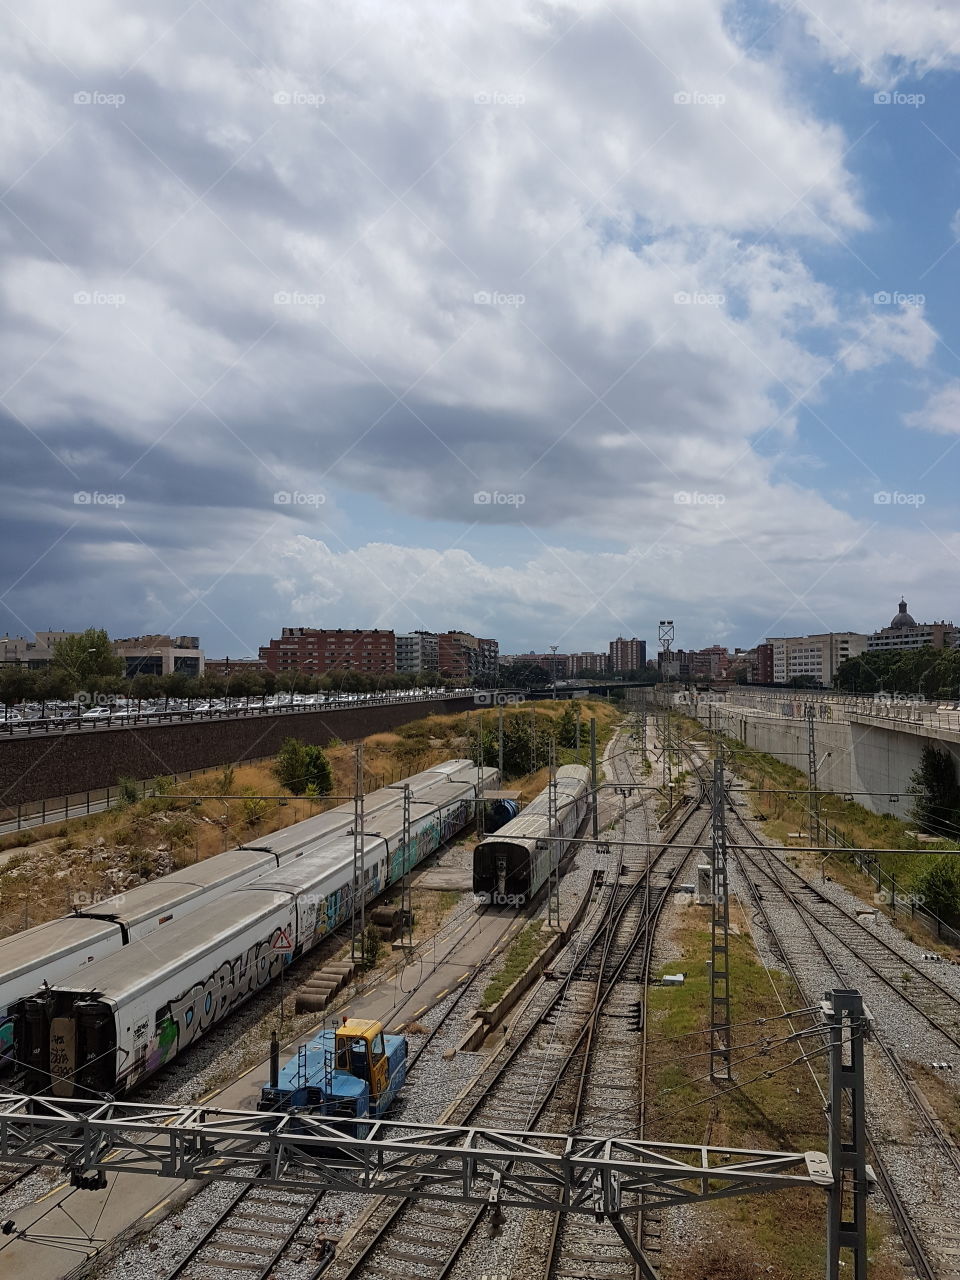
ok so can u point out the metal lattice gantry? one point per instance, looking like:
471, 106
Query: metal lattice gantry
558, 1173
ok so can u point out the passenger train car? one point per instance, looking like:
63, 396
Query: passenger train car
119, 1019
512, 866
52, 951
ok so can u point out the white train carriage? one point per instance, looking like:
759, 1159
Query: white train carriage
105, 1029
511, 866
49, 953
52, 951
123, 1017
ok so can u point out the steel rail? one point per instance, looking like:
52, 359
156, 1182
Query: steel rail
645, 934
485, 1085
909, 1233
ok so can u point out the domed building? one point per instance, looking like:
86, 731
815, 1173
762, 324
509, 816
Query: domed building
902, 618
905, 633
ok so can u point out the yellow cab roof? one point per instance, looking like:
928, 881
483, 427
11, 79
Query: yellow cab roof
367, 1028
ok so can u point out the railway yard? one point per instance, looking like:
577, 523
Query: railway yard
609, 1036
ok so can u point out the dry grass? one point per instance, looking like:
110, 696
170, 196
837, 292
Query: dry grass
782, 1111
108, 852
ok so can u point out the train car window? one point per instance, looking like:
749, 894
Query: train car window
377, 1045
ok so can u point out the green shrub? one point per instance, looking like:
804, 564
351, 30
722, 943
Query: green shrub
298, 766
128, 790
253, 810
225, 780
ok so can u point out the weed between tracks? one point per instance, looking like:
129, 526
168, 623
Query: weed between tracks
776, 1107
528, 945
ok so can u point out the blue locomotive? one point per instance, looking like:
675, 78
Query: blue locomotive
353, 1073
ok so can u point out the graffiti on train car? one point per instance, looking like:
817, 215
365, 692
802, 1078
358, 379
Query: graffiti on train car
204, 1003
428, 836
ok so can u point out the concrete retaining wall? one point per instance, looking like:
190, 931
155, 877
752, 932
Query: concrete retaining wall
865, 755
43, 767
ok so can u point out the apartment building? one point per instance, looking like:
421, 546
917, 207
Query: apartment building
816, 656
462, 656
627, 655
593, 662
417, 652
316, 651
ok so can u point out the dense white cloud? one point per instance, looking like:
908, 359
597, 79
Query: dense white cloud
406, 254
883, 40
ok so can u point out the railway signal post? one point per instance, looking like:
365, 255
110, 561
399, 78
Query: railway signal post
720, 1034
406, 900
814, 819
848, 1024
357, 905
553, 877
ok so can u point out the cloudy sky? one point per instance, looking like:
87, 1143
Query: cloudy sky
544, 320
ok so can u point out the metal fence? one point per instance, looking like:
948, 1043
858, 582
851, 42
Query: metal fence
887, 892
78, 804
38, 813
77, 724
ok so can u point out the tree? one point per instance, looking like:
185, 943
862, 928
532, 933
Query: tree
212, 686
489, 747
175, 685
145, 686
53, 685
936, 808
524, 674
567, 724
299, 765
938, 887
17, 684
85, 656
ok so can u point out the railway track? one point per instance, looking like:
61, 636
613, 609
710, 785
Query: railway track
844, 950
546, 1075
916, 1162
252, 1234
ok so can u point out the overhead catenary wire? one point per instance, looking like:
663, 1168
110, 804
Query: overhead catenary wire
742, 1084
